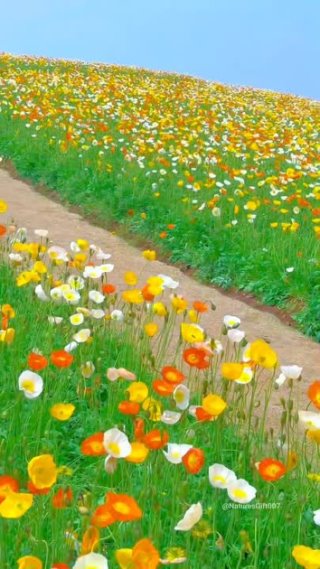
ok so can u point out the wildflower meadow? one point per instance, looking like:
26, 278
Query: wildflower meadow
239, 168
130, 438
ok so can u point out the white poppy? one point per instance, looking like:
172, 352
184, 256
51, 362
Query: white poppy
220, 476
192, 516
91, 561
106, 268
76, 282
181, 395
97, 314
176, 452
116, 443
170, 417
55, 320
310, 419
58, 254
96, 296
241, 492
316, 517
110, 464
82, 336
101, 255
236, 335
56, 293
76, 319
87, 369
71, 296
231, 321
71, 347
168, 282
31, 384
41, 232
117, 315
92, 272
40, 293
246, 376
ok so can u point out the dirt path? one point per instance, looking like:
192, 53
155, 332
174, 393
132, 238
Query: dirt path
35, 211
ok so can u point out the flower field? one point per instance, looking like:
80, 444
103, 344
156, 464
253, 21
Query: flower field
239, 168
130, 438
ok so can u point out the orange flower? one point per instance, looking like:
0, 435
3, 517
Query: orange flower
109, 288
123, 508
172, 375
37, 362
7, 484
62, 498
194, 460
93, 445
314, 393
37, 491
163, 388
145, 555
146, 293
196, 357
271, 469
155, 439
61, 359
200, 306
90, 540
3, 230
102, 517
129, 407
163, 234
60, 566
139, 429
202, 415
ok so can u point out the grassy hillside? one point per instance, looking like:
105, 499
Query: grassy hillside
224, 179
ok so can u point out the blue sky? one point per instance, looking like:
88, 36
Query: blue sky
272, 44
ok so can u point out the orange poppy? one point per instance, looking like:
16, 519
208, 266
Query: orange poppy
3, 230
93, 445
60, 566
172, 375
139, 429
38, 491
146, 293
271, 469
123, 508
129, 407
200, 306
163, 388
62, 498
194, 460
202, 415
37, 362
156, 440
90, 540
314, 393
109, 288
61, 358
145, 555
196, 357
102, 517
7, 484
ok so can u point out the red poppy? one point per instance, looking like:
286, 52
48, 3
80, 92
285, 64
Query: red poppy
61, 359
37, 362
155, 439
60, 566
196, 357
194, 460
129, 407
109, 288
93, 445
163, 388
62, 498
172, 375
271, 469
314, 393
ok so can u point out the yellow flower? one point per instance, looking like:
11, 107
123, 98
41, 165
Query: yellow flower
193, 315
149, 254
138, 454
29, 562
151, 328
306, 556
124, 558
130, 278
39, 267
3, 206
192, 333
179, 303
138, 391
7, 336
160, 309
231, 371
155, 285
62, 411
153, 407
43, 471
133, 296
314, 435
15, 505
262, 354
24, 278
213, 405
83, 244
8, 311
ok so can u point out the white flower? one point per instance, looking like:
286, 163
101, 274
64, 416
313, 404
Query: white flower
246, 376
31, 384
235, 335
55, 320
231, 321
217, 347
97, 313
102, 256
241, 492
216, 212
71, 296
96, 296
71, 347
76, 282
15, 257
91, 561
58, 254
76, 319
82, 336
106, 268
92, 272
288, 372
87, 369
40, 293
116, 443
175, 452
181, 395
170, 417
316, 517
168, 282
310, 419
220, 476
290, 270
56, 293
41, 232
110, 464
192, 516
117, 315
74, 247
